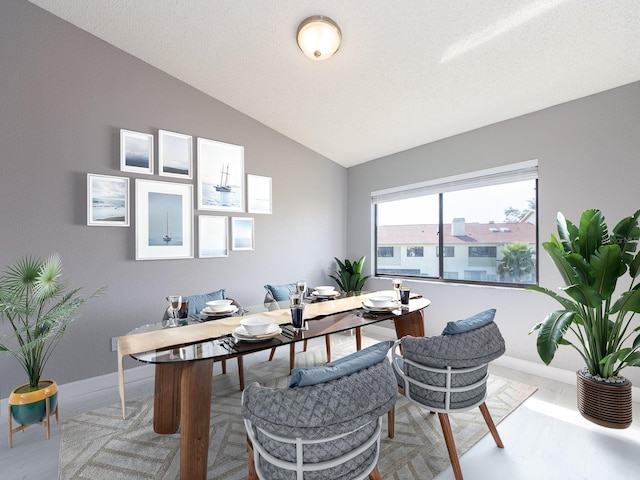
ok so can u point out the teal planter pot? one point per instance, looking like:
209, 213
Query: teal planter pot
30, 407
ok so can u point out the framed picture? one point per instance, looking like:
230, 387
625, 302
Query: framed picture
107, 200
220, 176
258, 194
164, 220
242, 233
136, 152
175, 154
213, 236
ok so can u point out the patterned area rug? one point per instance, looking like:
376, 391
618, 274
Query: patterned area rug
101, 445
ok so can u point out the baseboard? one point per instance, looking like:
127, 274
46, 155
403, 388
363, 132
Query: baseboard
551, 373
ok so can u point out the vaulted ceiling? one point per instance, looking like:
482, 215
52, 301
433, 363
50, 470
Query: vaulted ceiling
409, 72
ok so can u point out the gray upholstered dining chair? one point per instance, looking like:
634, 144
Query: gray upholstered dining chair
326, 424
277, 297
196, 304
448, 373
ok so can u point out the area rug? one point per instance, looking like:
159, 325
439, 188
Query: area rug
101, 445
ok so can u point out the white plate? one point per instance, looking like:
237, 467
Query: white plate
392, 305
210, 313
315, 293
241, 333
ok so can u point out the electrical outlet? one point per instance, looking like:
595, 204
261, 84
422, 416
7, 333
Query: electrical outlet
114, 344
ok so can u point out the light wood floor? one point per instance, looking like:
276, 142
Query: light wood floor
545, 439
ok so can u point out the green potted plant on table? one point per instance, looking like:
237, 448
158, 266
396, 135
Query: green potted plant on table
35, 310
597, 314
349, 275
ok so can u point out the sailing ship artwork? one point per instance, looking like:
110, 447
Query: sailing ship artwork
165, 220
223, 186
221, 176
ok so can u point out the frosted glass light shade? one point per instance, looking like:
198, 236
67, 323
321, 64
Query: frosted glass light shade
319, 37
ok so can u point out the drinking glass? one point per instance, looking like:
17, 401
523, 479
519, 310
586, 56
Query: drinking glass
301, 287
397, 283
175, 302
297, 312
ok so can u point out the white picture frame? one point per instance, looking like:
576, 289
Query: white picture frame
220, 176
259, 194
175, 154
164, 220
136, 152
242, 233
213, 236
107, 200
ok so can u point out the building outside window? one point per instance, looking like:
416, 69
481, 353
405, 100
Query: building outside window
484, 223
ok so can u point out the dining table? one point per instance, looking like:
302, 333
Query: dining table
184, 355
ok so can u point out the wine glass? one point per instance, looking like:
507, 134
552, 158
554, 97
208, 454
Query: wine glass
397, 284
175, 302
301, 288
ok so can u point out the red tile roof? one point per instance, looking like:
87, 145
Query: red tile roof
423, 234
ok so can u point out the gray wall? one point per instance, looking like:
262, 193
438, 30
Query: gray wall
589, 157
64, 96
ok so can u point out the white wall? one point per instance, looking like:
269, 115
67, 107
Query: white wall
589, 157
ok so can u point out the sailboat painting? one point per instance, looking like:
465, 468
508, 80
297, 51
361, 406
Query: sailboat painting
164, 220
220, 176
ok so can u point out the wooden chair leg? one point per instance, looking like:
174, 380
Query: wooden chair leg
327, 342
224, 366
10, 418
391, 422
304, 345
253, 475
375, 474
241, 371
273, 352
491, 425
451, 445
292, 356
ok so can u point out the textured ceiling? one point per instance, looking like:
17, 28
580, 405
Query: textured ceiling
408, 72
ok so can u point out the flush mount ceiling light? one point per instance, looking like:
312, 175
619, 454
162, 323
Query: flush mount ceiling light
319, 37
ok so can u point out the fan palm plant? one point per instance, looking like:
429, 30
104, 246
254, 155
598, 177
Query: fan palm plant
36, 306
591, 261
349, 275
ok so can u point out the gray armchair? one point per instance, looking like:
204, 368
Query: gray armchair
329, 429
448, 374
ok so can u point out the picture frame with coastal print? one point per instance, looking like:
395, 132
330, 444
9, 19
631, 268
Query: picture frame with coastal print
258, 194
164, 220
136, 152
107, 200
242, 233
220, 176
213, 236
175, 154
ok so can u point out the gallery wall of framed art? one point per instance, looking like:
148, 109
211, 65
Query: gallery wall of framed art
165, 217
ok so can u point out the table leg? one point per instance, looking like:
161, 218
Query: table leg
166, 399
195, 418
410, 324
358, 338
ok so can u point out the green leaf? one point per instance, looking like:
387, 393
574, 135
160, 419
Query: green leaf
592, 233
551, 333
606, 263
628, 301
565, 269
567, 232
584, 294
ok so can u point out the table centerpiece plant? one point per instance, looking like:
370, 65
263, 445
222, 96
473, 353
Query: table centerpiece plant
37, 309
598, 309
349, 275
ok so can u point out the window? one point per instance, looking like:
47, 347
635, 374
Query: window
448, 251
483, 223
483, 252
385, 252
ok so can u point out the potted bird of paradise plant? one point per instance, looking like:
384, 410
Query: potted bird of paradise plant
599, 300
35, 310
